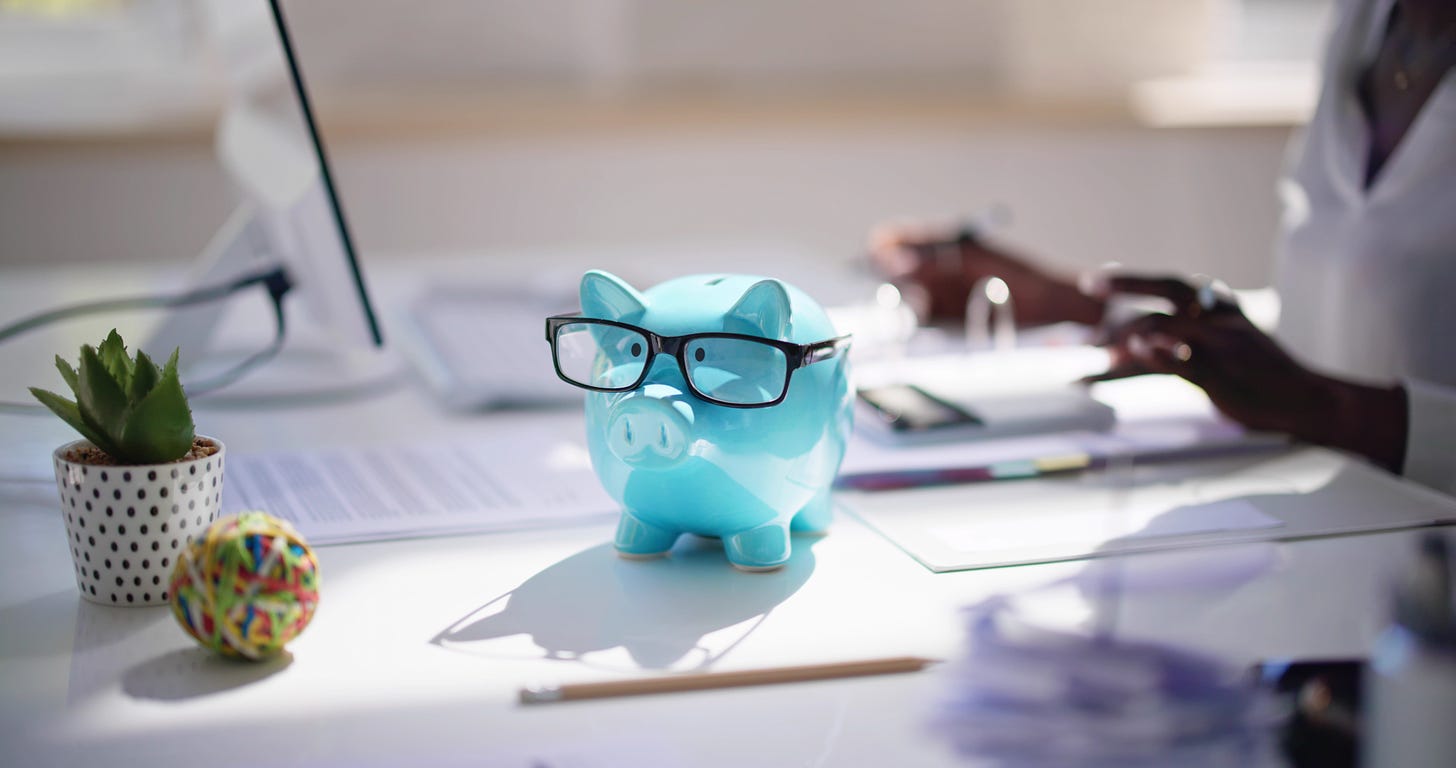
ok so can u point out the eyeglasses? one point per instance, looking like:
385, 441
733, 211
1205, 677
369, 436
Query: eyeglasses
730, 369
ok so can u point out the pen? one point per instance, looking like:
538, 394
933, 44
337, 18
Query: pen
708, 680
973, 227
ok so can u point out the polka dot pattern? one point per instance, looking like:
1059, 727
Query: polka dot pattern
126, 525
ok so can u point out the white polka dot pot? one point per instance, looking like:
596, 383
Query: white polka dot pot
126, 525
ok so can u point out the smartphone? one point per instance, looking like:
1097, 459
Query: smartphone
906, 408
906, 414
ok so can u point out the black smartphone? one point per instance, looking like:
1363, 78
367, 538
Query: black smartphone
907, 408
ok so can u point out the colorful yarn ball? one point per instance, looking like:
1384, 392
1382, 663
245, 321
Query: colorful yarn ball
246, 586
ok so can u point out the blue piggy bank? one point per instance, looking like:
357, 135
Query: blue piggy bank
718, 405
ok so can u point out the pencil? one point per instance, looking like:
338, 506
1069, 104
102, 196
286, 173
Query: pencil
708, 680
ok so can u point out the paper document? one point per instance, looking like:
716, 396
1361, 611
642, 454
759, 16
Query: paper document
506, 480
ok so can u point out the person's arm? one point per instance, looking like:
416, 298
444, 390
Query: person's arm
1251, 379
1370, 421
936, 269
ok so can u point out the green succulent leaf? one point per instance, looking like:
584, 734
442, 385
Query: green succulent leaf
145, 375
159, 427
113, 354
101, 401
129, 408
170, 369
70, 414
68, 373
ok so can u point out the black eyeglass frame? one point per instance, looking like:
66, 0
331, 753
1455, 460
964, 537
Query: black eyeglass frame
796, 355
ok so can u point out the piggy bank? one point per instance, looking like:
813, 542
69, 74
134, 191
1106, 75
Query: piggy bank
717, 405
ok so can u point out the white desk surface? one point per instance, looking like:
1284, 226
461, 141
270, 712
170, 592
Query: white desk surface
371, 683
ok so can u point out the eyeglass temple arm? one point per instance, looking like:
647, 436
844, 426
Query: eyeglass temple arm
824, 350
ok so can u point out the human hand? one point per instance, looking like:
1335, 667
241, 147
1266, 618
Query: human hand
936, 269
1248, 376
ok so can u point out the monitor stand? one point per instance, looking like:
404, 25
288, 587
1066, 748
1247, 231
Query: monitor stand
324, 356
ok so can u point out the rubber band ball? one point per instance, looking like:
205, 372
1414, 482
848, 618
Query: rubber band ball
246, 587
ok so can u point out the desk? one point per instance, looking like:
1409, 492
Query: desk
369, 685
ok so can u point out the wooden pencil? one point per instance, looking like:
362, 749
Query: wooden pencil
730, 679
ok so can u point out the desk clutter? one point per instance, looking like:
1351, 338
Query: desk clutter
1030, 696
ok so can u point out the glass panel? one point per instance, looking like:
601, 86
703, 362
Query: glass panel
599, 355
738, 371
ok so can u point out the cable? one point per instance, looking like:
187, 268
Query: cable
275, 280
278, 285
198, 296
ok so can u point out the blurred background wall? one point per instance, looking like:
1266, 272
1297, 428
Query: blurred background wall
1149, 132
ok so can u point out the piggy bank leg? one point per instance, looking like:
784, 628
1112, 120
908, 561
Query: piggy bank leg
765, 548
638, 540
815, 516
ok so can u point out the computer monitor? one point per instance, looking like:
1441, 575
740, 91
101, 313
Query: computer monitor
290, 217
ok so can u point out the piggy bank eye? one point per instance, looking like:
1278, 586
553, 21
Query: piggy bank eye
738, 372
637, 350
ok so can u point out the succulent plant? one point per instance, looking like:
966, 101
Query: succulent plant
131, 409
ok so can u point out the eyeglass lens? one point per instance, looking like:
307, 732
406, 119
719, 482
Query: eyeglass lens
598, 355
734, 371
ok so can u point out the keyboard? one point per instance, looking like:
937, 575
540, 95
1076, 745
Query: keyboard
484, 347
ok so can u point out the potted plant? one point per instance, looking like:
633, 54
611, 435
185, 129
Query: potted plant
141, 483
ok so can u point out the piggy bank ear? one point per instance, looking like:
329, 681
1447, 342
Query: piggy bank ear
763, 310
608, 297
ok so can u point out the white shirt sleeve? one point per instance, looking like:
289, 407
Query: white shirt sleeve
1430, 448
1367, 266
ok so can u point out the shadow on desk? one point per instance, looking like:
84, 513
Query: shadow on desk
190, 673
112, 644
40, 625
680, 612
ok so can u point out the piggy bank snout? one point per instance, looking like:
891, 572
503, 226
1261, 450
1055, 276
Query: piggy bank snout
647, 432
